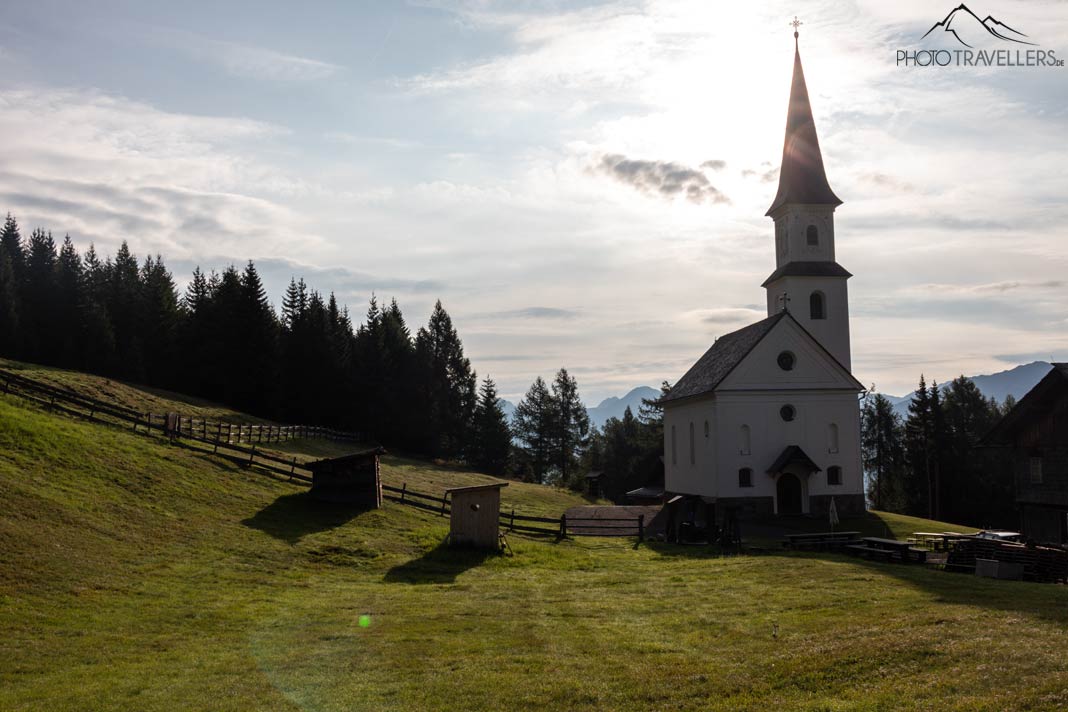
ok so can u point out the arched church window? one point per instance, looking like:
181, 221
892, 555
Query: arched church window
816, 308
834, 475
745, 477
787, 413
832, 437
786, 361
693, 454
674, 447
812, 236
744, 444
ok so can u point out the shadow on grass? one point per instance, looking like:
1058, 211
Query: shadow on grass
293, 516
764, 538
442, 564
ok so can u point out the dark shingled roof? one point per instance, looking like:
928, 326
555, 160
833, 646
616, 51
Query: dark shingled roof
792, 455
802, 178
718, 361
1033, 404
808, 269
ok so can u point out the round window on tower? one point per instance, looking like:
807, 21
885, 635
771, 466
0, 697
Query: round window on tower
787, 361
787, 413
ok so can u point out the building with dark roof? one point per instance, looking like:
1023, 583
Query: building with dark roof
767, 420
1036, 431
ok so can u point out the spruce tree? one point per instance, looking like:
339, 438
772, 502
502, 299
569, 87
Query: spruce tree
39, 303
161, 322
9, 316
492, 436
11, 244
571, 425
919, 444
71, 298
97, 334
533, 425
448, 386
883, 453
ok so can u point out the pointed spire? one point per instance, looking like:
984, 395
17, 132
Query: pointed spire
801, 177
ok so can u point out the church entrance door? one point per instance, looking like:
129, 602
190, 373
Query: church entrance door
788, 493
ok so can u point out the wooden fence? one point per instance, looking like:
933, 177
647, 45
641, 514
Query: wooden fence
604, 526
224, 439
562, 526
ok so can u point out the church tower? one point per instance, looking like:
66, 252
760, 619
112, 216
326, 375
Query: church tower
807, 281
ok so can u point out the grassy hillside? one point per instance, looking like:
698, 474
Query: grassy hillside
143, 399
140, 575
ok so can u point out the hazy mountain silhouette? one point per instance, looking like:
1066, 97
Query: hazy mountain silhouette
969, 30
1015, 382
614, 407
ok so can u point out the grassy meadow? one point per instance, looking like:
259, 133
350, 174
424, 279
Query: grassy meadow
135, 574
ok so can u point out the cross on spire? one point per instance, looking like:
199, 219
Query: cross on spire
784, 299
795, 24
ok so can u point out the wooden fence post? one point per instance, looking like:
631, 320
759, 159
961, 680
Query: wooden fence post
563, 527
252, 455
511, 524
641, 527
444, 500
229, 433
404, 490
292, 468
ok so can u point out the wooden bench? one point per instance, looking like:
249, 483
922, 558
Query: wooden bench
872, 552
888, 549
820, 540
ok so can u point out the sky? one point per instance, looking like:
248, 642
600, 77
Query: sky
582, 184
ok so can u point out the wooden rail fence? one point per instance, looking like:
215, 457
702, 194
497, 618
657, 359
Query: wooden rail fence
224, 439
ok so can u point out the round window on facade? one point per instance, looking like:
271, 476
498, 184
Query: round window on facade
787, 413
787, 361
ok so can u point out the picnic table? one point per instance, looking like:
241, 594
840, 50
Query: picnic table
820, 540
888, 550
937, 541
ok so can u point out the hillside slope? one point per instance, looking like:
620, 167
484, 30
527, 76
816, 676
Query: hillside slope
139, 575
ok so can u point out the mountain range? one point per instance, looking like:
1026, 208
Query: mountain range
1015, 382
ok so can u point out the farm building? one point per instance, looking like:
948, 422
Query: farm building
767, 420
1036, 430
349, 479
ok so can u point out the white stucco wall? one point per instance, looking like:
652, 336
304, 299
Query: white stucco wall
833, 331
770, 435
753, 395
680, 475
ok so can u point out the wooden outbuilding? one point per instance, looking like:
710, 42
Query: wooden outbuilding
593, 483
475, 513
1036, 431
349, 479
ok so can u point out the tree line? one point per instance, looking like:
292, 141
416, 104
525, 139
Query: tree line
223, 340
929, 464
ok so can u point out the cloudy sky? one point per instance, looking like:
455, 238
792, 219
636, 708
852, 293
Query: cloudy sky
583, 184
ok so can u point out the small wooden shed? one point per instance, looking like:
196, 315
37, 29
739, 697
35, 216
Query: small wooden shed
475, 513
349, 479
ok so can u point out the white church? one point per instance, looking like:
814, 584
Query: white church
768, 421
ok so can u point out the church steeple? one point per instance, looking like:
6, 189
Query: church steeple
801, 177
806, 276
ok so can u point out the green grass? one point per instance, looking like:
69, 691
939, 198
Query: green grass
143, 399
140, 575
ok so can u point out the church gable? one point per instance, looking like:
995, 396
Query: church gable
789, 358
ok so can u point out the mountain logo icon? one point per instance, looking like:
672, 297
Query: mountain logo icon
965, 26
